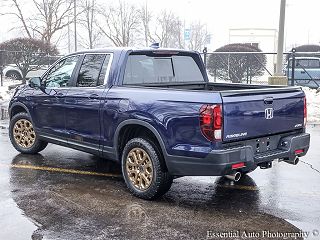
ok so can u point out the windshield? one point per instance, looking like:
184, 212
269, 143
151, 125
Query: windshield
161, 69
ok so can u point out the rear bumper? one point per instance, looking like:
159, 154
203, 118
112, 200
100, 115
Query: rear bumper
219, 162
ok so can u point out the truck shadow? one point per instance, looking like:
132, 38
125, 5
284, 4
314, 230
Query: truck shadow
75, 206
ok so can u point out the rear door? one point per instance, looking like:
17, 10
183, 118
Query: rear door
84, 99
249, 114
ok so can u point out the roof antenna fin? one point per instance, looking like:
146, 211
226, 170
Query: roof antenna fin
155, 45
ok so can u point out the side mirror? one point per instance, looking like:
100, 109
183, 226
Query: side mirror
35, 82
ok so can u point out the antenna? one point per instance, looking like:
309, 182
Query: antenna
155, 45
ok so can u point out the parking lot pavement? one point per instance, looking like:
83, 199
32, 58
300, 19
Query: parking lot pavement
65, 194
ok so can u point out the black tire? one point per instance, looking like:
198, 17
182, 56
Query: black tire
14, 75
161, 180
37, 145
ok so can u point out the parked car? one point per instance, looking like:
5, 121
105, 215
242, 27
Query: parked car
155, 112
13, 72
306, 71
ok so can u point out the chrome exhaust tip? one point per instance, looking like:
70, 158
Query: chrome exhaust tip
234, 177
295, 161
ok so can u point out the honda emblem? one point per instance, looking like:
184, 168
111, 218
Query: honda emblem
268, 113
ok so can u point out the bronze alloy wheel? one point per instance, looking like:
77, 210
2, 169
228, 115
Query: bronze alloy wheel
139, 168
23, 133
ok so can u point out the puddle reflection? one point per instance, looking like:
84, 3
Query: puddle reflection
74, 206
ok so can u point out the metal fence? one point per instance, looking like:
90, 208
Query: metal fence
236, 67
301, 68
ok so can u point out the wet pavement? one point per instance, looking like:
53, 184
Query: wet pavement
66, 194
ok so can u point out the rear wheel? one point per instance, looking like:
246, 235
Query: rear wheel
143, 169
14, 75
23, 136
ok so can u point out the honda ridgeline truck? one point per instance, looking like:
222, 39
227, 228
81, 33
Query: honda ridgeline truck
155, 112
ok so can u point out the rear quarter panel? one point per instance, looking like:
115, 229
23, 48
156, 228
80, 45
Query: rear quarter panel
173, 113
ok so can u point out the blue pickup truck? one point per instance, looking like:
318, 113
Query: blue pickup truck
155, 112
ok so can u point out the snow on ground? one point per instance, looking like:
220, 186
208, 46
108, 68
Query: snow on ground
313, 104
5, 94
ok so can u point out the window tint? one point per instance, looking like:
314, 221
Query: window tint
307, 63
302, 63
60, 74
151, 69
90, 70
104, 69
314, 63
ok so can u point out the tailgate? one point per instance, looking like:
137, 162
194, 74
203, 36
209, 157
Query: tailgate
259, 112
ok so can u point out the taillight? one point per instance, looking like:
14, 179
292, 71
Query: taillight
237, 165
211, 121
305, 112
298, 151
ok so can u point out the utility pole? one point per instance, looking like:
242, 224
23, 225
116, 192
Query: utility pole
279, 64
75, 24
69, 41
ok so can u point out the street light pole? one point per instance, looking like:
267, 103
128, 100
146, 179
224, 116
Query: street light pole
75, 24
279, 65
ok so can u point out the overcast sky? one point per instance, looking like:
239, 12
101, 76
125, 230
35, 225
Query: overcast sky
302, 17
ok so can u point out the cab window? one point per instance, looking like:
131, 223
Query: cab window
60, 74
93, 70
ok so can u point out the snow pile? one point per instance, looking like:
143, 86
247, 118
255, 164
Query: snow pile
313, 104
5, 94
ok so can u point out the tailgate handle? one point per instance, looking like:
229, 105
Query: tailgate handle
268, 100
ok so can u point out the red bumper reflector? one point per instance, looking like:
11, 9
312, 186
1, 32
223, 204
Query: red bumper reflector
298, 151
237, 165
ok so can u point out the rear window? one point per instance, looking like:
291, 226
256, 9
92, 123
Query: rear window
161, 69
306, 63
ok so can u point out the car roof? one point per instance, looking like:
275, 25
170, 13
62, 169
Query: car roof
120, 49
317, 58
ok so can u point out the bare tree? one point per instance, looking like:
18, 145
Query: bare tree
146, 17
168, 30
121, 23
45, 19
88, 21
198, 36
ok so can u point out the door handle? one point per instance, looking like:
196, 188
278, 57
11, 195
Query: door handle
303, 71
268, 100
93, 96
59, 94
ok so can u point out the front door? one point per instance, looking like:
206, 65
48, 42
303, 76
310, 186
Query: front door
83, 102
48, 111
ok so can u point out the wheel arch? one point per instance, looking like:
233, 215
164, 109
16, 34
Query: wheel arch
15, 71
143, 125
16, 108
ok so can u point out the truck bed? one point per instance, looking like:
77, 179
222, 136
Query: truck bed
210, 86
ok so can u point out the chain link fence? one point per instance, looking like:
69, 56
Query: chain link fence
302, 69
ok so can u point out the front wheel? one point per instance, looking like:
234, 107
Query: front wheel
23, 136
143, 169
